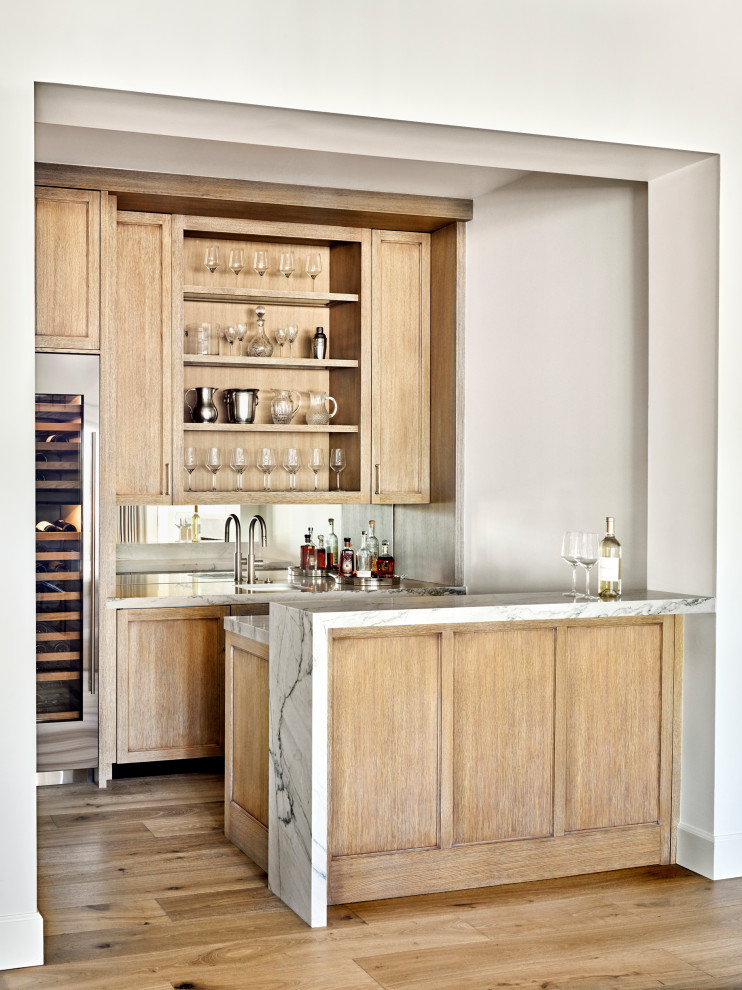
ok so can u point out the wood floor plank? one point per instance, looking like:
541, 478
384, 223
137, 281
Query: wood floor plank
50, 843
211, 819
136, 813
99, 917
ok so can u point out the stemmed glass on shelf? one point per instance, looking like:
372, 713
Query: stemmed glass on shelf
190, 463
213, 463
266, 462
589, 548
281, 337
240, 332
230, 335
314, 265
287, 265
292, 333
237, 260
211, 258
238, 463
316, 463
337, 462
571, 542
261, 262
291, 464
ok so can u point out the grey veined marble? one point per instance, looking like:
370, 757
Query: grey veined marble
299, 637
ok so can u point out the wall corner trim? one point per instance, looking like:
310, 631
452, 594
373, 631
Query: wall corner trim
718, 857
21, 941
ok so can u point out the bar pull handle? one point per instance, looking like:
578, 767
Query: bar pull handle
378, 479
93, 558
169, 479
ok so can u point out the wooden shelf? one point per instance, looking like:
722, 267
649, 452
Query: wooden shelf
57, 616
304, 364
60, 446
58, 675
59, 407
59, 536
53, 636
57, 486
57, 465
275, 297
259, 497
52, 576
43, 427
58, 596
57, 716
57, 554
49, 657
265, 428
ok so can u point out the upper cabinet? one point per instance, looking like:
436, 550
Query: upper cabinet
137, 373
67, 269
400, 405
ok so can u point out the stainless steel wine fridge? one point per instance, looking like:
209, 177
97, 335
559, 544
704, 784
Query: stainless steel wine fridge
66, 563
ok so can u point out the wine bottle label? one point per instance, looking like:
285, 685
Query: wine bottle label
608, 569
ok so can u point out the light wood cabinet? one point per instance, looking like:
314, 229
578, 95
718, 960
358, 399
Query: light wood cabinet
137, 373
400, 404
502, 753
170, 683
246, 747
67, 269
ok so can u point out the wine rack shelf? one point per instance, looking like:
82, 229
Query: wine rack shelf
290, 363
202, 293
265, 428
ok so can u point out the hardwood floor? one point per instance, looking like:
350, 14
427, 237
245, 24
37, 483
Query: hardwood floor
141, 891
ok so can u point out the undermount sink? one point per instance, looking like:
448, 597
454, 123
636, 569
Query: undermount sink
212, 575
270, 586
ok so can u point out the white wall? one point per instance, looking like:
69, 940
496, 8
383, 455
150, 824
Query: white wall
662, 73
556, 372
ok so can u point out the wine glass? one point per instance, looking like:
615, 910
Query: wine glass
241, 332
570, 552
261, 262
237, 260
287, 265
291, 463
230, 335
316, 463
238, 463
213, 463
313, 266
337, 462
266, 462
587, 557
190, 463
211, 258
292, 333
281, 337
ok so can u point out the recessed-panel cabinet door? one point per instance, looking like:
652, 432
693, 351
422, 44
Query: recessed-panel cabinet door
139, 373
400, 405
67, 268
170, 679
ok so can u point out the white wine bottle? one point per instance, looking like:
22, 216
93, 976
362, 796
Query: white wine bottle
609, 563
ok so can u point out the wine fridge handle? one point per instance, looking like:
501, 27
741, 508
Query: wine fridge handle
378, 479
93, 556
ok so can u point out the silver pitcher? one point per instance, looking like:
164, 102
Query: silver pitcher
240, 404
203, 409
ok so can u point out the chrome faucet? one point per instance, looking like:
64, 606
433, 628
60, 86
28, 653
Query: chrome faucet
251, 545
238, 548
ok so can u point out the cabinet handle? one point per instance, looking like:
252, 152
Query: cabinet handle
378, 479
169, 477
93, 555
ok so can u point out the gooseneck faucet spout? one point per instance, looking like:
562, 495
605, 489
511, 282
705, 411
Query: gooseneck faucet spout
251, 545
238, 548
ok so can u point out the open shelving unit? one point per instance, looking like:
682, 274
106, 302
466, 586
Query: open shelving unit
338, 300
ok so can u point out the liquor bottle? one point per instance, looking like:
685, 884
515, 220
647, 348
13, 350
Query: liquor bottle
346, 564
609, 563
195, 526
385, 561
308, 556
363, 559
373, 545
321, 553
332, 548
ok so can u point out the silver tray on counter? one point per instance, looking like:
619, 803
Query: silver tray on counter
366, 584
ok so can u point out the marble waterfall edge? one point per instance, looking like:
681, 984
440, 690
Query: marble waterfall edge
297, 796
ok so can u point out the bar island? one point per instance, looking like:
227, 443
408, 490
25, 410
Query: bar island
400, 749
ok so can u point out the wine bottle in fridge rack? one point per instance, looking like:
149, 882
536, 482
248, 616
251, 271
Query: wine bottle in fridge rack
609, 563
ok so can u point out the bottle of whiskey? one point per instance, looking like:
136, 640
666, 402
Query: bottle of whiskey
373, 545
332, 548
385, 561
347, 564
307, 554
321, 553
609, 563
363, 559
196, 526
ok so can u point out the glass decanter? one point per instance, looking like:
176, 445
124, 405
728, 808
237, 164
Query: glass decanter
260, 345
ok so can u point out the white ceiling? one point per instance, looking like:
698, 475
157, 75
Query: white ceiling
107, 128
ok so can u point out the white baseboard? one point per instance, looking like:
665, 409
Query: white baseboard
21, 941
718, 857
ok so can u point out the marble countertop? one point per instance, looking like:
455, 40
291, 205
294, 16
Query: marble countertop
255, 627
176, 589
